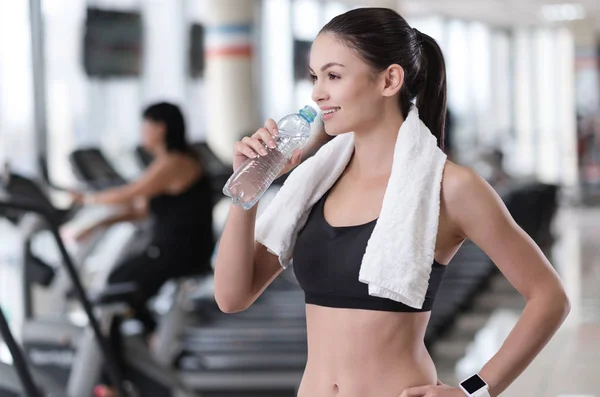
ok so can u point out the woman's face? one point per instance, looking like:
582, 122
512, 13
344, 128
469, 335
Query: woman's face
153, 135
346, 88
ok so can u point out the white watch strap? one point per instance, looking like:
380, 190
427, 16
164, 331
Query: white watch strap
482, 393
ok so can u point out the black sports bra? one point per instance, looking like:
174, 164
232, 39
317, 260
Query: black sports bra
327, 261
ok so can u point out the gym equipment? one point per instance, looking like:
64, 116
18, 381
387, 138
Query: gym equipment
24, 205
59, 345
93, 168
138, 375
18, 380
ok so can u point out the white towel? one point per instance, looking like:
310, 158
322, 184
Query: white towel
400, 252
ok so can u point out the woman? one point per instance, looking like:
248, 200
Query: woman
367, 66
175, 193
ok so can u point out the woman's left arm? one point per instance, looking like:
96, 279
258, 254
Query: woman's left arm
154, 181
479, 213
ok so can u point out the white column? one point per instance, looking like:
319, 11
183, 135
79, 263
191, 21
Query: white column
276, 58
501, 116
546, 109
566, 122
230, 81
523, 158
165, 51
66, 85
16, 87
480, 79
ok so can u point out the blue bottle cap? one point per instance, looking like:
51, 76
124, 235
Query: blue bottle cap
309, 113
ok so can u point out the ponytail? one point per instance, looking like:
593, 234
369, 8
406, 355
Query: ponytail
431, 98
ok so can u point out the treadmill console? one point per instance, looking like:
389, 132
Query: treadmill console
91, 167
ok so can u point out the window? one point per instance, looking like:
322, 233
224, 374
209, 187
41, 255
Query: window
17, 142
106, 111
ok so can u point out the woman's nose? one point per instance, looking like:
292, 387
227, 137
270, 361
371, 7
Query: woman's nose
319, 94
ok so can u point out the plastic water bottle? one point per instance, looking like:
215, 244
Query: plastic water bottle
251, 180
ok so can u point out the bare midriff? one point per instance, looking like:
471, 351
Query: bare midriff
364, 353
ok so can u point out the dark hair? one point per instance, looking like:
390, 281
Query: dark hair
170, 115
382, 38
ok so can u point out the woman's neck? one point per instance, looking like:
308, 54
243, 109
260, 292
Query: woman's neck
374, 146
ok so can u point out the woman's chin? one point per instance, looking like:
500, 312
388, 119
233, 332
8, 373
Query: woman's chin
333, 130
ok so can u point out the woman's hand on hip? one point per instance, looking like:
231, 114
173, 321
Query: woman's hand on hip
440, 390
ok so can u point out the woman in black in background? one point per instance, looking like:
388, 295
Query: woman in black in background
174, 191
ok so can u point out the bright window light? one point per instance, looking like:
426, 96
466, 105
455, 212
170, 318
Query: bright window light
563, 12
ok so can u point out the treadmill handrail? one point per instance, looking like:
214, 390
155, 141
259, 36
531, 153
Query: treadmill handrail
19, 362
113, 369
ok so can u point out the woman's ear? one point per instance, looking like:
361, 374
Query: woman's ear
393, 80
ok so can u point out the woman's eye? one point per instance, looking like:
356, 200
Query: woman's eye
331, 76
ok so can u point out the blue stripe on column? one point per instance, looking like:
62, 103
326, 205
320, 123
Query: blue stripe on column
229, 29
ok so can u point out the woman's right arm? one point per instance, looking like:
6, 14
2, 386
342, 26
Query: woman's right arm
243, 267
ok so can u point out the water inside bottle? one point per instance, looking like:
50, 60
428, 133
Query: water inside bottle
254, 177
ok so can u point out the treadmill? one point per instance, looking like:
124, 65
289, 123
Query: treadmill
41, 336
269, 338
92, 168
37, 270
18, 379
243, 371
137, 374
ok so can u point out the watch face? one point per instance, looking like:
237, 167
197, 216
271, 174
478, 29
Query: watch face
473, 384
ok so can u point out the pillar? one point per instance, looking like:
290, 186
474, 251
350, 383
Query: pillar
231, 89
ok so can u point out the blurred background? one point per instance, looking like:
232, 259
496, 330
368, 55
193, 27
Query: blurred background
523, 111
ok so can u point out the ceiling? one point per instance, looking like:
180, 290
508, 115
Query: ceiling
496, 12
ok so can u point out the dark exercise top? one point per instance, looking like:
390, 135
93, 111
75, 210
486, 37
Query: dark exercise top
327, 261
184, 221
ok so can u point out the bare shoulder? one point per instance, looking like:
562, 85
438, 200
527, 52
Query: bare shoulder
468, 197
176, 158
179, 162
459, 182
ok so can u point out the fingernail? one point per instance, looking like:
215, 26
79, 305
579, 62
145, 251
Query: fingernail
275, 132
263, 152
272, 144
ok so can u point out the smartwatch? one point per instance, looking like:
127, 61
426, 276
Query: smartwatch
475, 386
